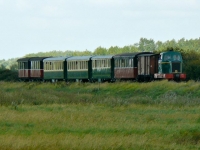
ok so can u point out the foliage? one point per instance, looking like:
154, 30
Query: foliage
8, 75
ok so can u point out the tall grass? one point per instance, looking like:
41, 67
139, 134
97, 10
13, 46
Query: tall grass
112, 94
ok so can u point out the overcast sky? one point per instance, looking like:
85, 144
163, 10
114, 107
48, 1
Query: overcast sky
31, 26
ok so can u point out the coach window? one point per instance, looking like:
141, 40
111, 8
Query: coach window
55, 66
74, 65
70, 65
34, 64
38, 64
123, 63
127, 62
50, 65
118, 63
45, 65
58, 65
83, 64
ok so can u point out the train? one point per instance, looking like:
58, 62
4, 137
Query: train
138, 66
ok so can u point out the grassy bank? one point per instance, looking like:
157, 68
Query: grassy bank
112, 94
122, 115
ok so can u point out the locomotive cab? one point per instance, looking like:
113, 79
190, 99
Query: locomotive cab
170, 66
170, 62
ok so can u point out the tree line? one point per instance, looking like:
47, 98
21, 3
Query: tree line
190, 50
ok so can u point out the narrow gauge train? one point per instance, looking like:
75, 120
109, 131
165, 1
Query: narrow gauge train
140, 66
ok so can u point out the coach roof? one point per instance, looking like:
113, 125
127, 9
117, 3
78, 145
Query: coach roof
102, 57
61, 58
79, 58
37, 58
131, 54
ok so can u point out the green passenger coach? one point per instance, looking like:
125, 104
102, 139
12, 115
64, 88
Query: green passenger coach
55, 68
103, 68
79, 68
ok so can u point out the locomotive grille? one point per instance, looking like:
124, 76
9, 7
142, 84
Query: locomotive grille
176, 67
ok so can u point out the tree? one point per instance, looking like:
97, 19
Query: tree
146, 45
100, 51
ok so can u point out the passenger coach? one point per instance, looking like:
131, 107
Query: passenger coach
147, 66
24, 68
55, 68
102, 68
79, 68
37, 68
126, 65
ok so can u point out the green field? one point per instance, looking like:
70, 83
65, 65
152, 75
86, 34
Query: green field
122, 115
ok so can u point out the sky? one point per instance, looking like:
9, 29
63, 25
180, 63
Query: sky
32, 26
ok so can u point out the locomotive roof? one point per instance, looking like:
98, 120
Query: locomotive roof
102, 57
131, 54
173, 52
79, 58
56, 58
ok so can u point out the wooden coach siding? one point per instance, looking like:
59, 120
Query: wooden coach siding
23, 73
36, 73
125, 73
147, 65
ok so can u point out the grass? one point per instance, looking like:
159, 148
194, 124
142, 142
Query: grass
112, 94
77, 126
122, 115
